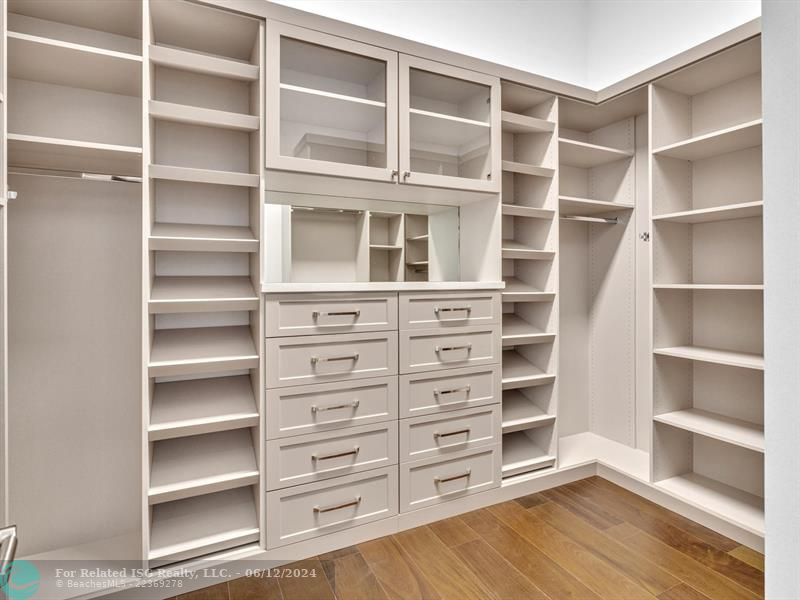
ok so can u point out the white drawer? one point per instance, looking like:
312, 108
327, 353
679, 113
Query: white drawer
431, 393
431, 349
309, 314
426, 311
435, 480
308, 511
325, 406
440, 435
321, 358
307, 458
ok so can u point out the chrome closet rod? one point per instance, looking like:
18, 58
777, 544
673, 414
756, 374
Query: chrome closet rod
69, 174
605, 220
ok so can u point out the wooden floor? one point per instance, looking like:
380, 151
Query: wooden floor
588, 539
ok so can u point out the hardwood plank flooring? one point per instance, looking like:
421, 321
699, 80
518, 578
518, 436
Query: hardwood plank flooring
586, 540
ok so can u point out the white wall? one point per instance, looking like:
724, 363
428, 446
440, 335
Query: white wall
546, 37
627, 36
592, 43
781, 89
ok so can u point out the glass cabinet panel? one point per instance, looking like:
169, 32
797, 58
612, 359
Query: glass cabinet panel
449, 126
331, 104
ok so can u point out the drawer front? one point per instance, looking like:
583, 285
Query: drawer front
325, 406
311, 314
435, 480
433, 393
441, 435
322, 358
318, 456
315, 509
431, 349
426, 311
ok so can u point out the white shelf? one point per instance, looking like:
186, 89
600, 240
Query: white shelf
195, 406
194, 115
516, 123
516, 210
417, 263
201, 464
196, 526
584, 207
709, 286
518, 291
196, 62
204, 176
728, 212
730, 139
587, 448
445, 130
525, 169
586, 156
384, 247
729, 503
520, 413
418, 238
201, 350
202, 238
326, 109
712, 355
519, 373
521, 455
204, 294
713, 425
516, 250
37, 152
517, 331
57, 62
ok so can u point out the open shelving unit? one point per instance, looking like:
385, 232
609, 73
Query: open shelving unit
530, 269
708, 433
203, 390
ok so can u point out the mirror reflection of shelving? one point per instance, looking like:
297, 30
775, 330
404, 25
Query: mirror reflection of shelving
450, 127
314, 239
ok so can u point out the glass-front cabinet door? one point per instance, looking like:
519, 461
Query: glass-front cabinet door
331, 105
450, 132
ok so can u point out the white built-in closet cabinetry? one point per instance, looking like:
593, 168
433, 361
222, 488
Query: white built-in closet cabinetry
272, 291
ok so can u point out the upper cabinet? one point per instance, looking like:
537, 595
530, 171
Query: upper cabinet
339, 107
449, 126
331, 105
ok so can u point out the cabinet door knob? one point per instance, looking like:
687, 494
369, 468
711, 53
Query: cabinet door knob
395, 173
406, 175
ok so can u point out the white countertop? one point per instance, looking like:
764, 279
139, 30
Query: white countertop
381, 286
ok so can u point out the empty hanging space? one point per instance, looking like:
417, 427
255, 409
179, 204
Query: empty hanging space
74, 88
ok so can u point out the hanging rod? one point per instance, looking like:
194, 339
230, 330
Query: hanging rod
340, 211
605, 220
68, 174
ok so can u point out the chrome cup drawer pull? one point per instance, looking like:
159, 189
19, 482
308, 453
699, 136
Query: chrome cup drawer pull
354, 502
452, 309
354, 404
464, 475
464, 389
467, 347
353, 452
315, 360
336, 313
438, 435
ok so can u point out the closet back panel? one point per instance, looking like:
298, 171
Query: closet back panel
40, 109
185, 202
205, 91
193, 146
74, 361
573, 331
